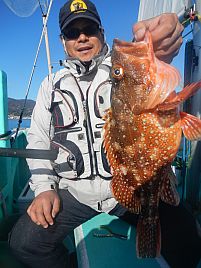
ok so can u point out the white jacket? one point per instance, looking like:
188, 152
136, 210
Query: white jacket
59, 120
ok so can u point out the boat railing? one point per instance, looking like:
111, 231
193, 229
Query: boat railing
14, 171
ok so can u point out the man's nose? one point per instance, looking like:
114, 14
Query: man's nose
83, 37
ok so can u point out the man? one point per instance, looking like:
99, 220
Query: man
67, 117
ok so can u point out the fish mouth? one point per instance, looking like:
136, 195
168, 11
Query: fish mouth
146, 41
141, 49
138, 49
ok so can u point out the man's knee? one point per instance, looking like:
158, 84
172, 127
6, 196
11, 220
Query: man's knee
20, 237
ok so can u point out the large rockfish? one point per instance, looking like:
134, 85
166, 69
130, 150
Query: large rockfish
142, 134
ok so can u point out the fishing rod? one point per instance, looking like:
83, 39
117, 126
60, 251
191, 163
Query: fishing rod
29, 153
43, 34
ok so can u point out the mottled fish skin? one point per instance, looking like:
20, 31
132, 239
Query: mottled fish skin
142, 134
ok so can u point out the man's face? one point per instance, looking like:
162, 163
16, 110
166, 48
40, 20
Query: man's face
83, 39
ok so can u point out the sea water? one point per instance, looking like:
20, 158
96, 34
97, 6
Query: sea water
13, 123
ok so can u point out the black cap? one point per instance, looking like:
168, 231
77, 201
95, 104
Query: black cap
75, 9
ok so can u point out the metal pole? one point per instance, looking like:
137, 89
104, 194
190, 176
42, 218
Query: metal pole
29, 153
3, 108
197, 47
193, 182
47, 45
6, 181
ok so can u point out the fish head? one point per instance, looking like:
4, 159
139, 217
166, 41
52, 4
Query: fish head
133, 72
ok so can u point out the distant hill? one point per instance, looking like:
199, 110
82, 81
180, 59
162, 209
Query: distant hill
15, 107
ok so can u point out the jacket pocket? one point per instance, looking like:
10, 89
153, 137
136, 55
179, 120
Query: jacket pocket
103, 165
102, 99
69, 163
64, 109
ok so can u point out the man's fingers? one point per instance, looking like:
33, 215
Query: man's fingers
167, 26
166, 33
41, 218
36, 215
29, 210
44, 208
173, 50
32, 215
171, 39
56, 207
47, 208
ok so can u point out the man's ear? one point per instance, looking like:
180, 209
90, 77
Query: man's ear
103, 35
102, 30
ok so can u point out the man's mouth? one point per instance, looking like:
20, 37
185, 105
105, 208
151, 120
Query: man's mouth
84, 49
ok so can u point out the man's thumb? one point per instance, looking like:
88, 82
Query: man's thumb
140, 27
139, 30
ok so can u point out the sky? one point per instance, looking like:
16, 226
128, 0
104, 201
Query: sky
20, 37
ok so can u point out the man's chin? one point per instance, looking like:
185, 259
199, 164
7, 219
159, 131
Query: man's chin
85, 59
86, 56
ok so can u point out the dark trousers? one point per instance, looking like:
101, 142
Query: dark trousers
38, 247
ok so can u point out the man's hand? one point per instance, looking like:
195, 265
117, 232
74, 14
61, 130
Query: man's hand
166, 33
44, 208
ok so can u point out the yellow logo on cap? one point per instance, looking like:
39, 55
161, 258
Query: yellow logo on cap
78, 6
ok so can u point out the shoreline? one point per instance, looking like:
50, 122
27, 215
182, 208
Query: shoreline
17, 117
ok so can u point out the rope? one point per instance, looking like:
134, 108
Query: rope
32, 72
41, 8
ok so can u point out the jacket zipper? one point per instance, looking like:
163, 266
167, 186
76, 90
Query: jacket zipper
90, 138
86, 124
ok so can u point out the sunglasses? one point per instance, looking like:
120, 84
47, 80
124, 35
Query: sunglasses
74, 33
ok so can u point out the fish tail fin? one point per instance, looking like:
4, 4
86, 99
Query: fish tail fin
148, 240
191, 126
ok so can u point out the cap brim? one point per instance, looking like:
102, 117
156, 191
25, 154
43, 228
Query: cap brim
79, 16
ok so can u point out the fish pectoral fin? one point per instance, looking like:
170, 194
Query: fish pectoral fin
168, 191
125, 194
191, 126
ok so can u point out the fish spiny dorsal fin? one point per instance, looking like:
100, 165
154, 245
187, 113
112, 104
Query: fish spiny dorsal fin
187, 92
191, 126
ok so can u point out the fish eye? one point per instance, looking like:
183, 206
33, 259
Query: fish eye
117, 72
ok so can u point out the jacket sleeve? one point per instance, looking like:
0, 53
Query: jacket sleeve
43, 177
